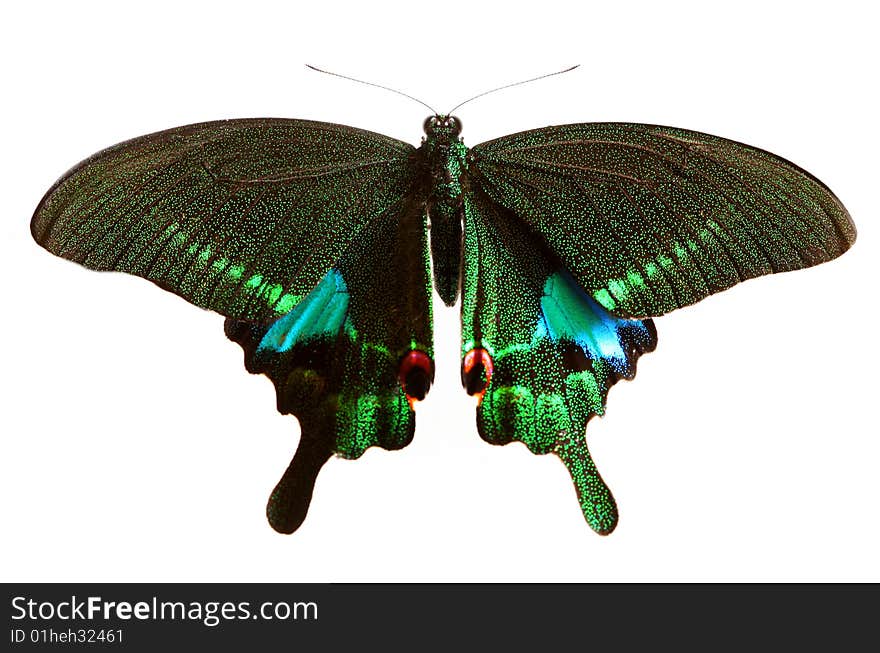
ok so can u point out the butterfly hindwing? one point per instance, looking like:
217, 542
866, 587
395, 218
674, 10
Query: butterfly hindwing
537, 350
243, 217
351, 358
648, 219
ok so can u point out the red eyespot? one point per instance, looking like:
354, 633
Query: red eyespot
476, 372
416, 373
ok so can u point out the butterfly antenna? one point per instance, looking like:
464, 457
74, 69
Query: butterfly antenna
501, 88
387, 88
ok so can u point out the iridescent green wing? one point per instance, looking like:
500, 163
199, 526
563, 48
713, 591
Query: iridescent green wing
351, 358
243, 217
537, 351
648, 219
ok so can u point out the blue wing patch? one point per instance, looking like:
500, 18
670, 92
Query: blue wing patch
321, 314
569, 314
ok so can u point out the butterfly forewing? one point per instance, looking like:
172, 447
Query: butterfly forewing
243, 217
648, 219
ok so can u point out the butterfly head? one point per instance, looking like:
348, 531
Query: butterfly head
442, 128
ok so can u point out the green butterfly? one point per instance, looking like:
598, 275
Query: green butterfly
313, 240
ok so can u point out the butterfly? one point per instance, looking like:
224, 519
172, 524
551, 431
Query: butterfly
320, 244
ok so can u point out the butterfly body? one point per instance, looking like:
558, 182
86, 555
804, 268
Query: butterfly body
316, 242
447, 158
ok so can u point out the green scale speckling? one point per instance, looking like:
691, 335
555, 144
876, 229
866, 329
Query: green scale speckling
312, 239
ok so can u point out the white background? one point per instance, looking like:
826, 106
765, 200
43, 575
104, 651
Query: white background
136, 447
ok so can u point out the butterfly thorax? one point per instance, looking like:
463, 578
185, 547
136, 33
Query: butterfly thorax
445, 155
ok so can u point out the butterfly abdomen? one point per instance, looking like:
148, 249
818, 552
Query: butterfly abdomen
445, 216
